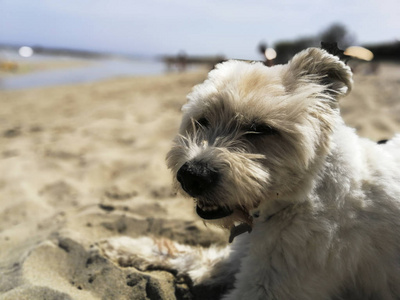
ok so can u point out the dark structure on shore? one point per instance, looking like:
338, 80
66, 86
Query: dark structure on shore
181, 61
386, 52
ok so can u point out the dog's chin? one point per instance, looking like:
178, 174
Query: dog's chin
222, 216
213, 213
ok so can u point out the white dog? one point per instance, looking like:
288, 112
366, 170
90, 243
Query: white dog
265, 150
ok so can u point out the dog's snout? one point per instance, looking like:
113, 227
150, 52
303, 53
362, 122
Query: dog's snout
197, 178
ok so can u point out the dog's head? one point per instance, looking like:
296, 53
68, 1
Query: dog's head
253, 134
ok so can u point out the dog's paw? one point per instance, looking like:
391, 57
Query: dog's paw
142, 253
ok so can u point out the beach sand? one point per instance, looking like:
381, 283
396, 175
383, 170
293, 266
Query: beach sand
83, 163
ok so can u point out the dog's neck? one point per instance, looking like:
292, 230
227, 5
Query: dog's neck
311, 185
262, 213
268, 209
341, 170
318, 179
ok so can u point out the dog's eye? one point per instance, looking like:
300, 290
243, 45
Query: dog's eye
261, 129
203, 122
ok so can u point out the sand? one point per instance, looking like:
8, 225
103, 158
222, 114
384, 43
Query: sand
83, 163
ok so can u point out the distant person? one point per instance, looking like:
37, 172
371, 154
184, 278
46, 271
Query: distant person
262, 47
268, 54
181, 61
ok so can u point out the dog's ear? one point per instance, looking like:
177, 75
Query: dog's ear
315, 65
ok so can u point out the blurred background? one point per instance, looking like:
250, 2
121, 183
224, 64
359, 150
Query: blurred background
125, 37
90, 98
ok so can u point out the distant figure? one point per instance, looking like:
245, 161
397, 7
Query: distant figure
269, 54
262, 47
181, 61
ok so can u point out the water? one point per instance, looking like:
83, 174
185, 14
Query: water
97, 69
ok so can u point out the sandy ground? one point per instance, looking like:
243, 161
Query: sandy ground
82, 163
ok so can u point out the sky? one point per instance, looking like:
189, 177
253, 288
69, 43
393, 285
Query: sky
199, 27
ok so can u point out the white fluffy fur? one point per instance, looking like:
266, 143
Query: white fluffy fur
323, 203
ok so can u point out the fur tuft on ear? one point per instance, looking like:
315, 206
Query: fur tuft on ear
318, 66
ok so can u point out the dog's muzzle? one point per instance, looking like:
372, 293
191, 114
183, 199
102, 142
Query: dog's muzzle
197, 178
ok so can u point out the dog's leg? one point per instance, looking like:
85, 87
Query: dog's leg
212, 268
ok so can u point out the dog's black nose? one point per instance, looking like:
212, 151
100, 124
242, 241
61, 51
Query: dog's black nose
196, 178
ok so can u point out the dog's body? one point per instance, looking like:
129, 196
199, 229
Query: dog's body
267, 147
342, 243
324, 205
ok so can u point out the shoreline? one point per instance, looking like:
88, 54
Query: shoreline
51, 72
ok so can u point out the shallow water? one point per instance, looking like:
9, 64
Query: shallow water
96, 70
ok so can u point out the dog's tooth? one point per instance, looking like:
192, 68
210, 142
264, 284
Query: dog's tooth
206, 207
212, 208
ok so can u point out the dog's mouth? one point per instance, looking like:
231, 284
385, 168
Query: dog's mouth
212, 212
